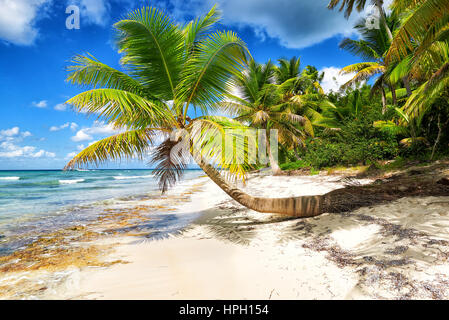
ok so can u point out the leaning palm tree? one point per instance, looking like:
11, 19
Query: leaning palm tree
259, 104
372, 48
170, 69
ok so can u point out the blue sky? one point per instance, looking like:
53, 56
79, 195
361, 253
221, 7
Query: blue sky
38, 132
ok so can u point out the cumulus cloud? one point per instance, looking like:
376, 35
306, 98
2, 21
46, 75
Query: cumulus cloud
60, 107
9, 147
73, 126
98, 128
18, 19
13, 134
297, 24
40, 104
333, 80
10, 150
10, 132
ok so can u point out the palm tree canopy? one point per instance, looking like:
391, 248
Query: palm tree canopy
168, 69
259, 102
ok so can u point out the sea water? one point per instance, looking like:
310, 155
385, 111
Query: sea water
36, 202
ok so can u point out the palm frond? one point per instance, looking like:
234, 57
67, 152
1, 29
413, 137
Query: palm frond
224, 143
122, 108
424, 16
205, 77
153, 48
170, 163
359, 48
196, 30
129, 144
88, 71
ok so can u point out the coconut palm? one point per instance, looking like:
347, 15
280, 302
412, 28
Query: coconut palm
170, 69
302, 92
259, 104
421, 47
372, 47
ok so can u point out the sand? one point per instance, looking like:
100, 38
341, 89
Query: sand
397, 250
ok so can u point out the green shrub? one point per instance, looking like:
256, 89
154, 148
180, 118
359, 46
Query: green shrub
358, 142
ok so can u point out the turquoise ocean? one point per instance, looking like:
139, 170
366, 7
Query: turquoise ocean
37, 202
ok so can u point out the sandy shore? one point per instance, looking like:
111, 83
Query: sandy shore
397, 250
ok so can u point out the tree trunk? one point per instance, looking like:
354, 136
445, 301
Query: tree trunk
406, 82
273, 163
306, 206
384, 100
383, 18
440, 131
394, 99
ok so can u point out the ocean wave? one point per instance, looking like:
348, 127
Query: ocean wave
132, 177
70, 181
10, 178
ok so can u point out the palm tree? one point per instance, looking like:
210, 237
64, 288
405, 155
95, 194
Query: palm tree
287, 69
301, 91
360, 6
171, 69
372, 48
421, 47
259, 105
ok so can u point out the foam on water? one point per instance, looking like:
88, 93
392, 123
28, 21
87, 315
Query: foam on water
71, 181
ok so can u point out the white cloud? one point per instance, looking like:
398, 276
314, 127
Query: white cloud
56, 128
40, 104
73, 126
10, 132
60, 107
13, 134
297, 24
332, 80
98, 128
43, 153
93, 11
70, 155
11, 150
81, 136
18, 19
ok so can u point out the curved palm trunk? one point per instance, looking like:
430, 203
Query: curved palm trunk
306, 206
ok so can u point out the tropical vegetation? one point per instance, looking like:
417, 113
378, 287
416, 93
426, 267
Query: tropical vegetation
177, 78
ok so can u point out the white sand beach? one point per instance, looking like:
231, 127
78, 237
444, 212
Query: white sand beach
397, 250
394, 250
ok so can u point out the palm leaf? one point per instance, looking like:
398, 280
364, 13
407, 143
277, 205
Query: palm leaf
415, 26
122, 108
170, 163
88, 71
153, 46
205, 77
129, 144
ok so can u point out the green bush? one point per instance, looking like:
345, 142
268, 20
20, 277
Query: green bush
358, 142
